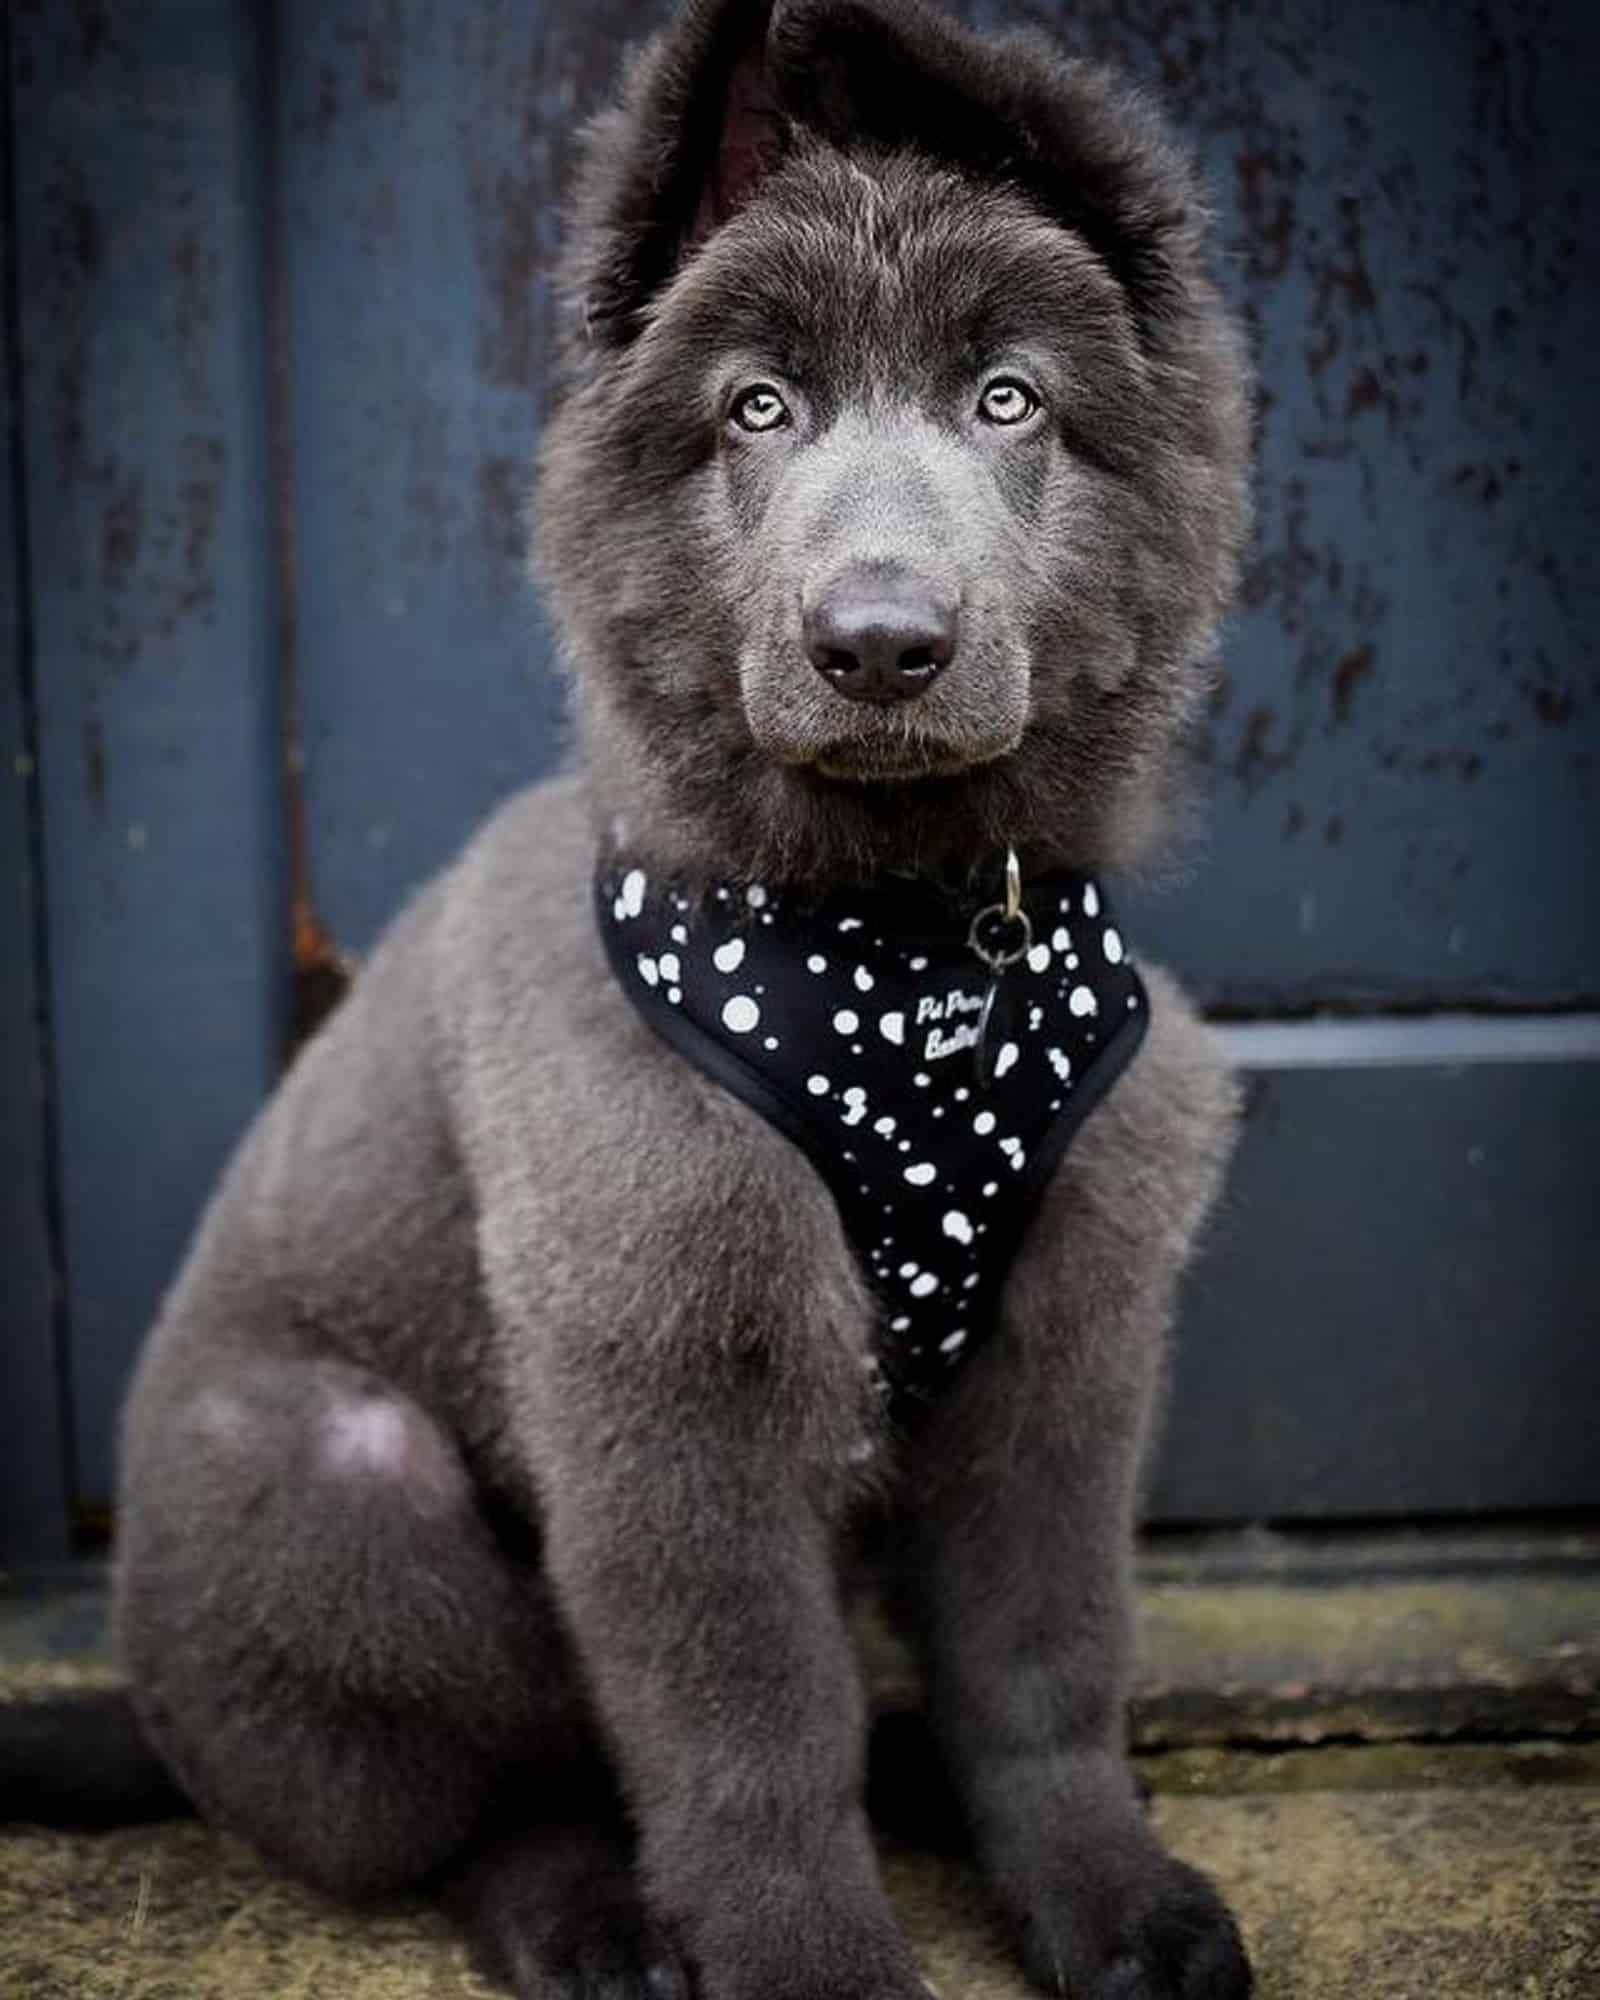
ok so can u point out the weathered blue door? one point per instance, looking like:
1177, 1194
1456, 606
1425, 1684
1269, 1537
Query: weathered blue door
277, 317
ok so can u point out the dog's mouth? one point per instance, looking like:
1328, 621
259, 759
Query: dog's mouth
900, 762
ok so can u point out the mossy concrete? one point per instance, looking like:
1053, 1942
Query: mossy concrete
1390, 1657
1475, 1893
1265, 1660
1504, 1644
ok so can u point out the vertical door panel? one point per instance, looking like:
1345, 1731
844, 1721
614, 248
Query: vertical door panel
139, 209
33, 1487
1397, 1306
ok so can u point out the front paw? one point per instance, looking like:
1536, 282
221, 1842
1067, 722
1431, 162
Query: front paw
1158, 1932
1097, 1908
812, 1962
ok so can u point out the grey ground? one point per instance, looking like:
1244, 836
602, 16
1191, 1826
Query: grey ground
1391, 1762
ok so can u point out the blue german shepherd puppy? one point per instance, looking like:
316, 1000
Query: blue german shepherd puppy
489, 1477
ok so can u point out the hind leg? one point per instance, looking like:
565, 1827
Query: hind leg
341, 1663
324, 1642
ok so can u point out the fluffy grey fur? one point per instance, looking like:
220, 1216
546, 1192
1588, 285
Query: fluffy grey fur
487, 1473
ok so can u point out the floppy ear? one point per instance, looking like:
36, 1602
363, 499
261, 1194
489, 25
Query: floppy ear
1081, 144
696, 130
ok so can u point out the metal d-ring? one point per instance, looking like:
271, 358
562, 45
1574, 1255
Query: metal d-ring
1008, 912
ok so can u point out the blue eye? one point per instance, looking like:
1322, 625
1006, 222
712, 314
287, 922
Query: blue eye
759, 408
1007, 401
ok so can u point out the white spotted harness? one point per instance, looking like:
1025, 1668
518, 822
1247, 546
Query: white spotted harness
931, 1055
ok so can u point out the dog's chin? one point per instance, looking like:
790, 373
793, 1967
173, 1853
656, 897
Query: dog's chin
902, 762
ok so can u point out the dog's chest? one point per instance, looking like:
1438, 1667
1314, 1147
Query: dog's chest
858, 1026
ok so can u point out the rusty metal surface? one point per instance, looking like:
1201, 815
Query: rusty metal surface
1404, 752
136, 287
421, 147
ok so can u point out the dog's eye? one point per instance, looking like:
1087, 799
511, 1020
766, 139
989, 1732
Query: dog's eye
759, 408
1006, 401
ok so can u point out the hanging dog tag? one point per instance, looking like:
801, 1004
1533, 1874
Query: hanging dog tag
1000, 935
991, 1030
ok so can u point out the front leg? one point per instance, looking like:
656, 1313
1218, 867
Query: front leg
694, 1424
1021, 1545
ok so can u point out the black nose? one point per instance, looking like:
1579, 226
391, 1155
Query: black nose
881, 634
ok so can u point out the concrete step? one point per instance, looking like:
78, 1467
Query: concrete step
1246, 1639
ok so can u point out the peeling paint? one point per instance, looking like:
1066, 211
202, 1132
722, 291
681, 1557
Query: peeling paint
75, 251
94, 762
1552, 705
1351, 671
94, 29
322, 973
121, 531
202, 462
505, 210
502, 485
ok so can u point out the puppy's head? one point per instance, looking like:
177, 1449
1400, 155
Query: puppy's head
896, 484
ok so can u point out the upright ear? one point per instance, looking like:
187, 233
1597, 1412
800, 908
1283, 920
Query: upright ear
708, 107
695, 131
1081, 144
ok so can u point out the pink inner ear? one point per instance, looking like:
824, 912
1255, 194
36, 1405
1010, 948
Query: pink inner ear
750, 146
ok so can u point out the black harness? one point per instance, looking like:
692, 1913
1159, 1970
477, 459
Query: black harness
932, 1059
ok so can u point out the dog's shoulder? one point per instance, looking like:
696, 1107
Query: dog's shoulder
542, 1054
1182, 1071
514, 936
1150, 1159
